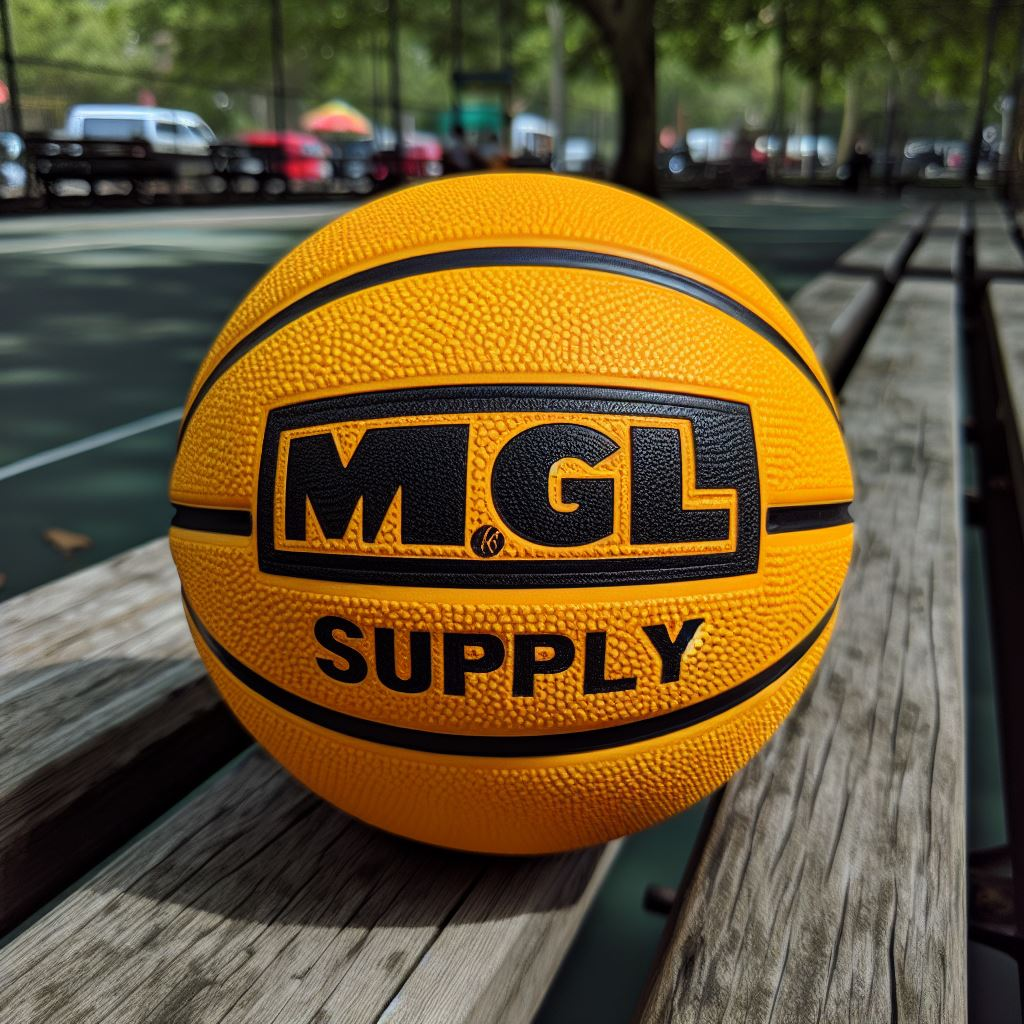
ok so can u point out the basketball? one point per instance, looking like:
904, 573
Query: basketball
511, 513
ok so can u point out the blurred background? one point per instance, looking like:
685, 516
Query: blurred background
139, 100
156, 156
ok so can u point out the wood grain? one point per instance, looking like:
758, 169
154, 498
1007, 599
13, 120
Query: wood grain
256, 901
832, 883
833, 310
108, 719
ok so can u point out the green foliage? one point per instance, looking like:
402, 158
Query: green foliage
715, 57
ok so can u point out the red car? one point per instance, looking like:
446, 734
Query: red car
422, 157
295, 161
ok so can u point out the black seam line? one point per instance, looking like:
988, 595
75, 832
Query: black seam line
213, 520
530, 256
780, 519
508, 746
791, 518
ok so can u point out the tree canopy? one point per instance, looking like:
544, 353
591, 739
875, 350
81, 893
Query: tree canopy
642, 64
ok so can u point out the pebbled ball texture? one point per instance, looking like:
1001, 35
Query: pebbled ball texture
503, 327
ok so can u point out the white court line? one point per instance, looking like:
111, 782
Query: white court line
134, 220
45, 247
87, 444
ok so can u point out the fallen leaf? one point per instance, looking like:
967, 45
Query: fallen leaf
67, 542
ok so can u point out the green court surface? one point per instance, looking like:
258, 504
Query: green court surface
104, 318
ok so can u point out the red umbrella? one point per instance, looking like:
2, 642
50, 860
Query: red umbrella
336, 117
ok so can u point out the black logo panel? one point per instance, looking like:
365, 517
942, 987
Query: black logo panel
426, 464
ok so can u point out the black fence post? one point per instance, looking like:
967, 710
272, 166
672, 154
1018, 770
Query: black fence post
457, 63
277, 64
396, 89
12, 72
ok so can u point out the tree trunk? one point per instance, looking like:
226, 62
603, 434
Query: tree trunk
979, 114
628, 30
809, 164
809, 167
277, 65
851, 119
556, 26
891, 104
1015, 165
395, 88
634, 67
777, 155
7, 44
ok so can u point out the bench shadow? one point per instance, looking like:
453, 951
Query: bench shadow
245, 841
299, 861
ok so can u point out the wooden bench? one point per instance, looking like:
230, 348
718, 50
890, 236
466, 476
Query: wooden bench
996, 252
887, 249
845, 835
251, 900
102, 692
997, 904
107, 684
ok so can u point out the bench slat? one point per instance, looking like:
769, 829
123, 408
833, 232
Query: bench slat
952, 217
833, 310
831, 886
109, 719
884, 251
937, 253
995, 251
255, 901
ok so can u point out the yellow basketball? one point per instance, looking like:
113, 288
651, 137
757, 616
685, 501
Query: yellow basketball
512, 512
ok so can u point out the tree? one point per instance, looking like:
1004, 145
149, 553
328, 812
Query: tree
627, 28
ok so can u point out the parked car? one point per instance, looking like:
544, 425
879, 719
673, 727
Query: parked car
918, 155
581, 157
352, 162
823, 147
239, 170
676, 166
422, 157
710, 158
13, 174
935, 159
70, 169
710, 145
170, 132
296, 161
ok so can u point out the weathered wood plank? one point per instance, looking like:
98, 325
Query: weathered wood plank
987, 213
884, 251
256, 901
952, 217
516, 914
108, 720
832, 883
937, 253
995, 250
833, 310
1006, 301
917, 216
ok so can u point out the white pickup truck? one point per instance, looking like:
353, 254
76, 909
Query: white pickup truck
177, 132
